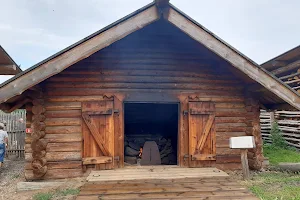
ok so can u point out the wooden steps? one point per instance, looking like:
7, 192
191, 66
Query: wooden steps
208, 188
154, 172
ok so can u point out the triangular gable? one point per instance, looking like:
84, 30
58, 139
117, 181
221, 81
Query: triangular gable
134, 22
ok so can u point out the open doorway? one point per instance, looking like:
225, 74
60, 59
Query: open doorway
151, 122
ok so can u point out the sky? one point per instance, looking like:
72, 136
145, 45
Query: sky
32, 30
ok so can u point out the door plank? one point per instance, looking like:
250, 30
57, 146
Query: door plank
206, 132
95, 133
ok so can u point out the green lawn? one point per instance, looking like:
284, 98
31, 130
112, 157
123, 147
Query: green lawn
277, 185
277, 155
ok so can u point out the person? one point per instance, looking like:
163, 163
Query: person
3, 143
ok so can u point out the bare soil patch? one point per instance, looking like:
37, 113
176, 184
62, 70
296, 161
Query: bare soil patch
13, 172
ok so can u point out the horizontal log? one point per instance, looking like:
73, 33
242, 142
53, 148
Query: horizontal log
220, 120
96, 91
59, 165
63, 138
63, 129
204, 157
63, 114
231, 129
227, 135
228, 151
293, 144
129, 61
136, 79
221, 159
158, 68
230, 105
137, 72
55, 174
123, 85
286, 68
218, 99
97, 160
63, 122
289, 76
58, 156
288, 112
230, 113
229, 166
78, 98
63, 106
229, 125
60, 147
289, 122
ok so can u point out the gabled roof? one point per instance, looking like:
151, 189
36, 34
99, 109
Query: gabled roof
7, 64
131, 23
286, 67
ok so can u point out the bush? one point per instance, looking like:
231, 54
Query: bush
277, 138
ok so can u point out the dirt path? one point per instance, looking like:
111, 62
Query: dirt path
10, 174
13, 172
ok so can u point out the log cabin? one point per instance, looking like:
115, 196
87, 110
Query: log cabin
154, 75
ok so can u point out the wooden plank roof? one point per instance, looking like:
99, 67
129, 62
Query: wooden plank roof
133, 22
7, 64
286, 67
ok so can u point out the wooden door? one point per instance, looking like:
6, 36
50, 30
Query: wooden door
98, 134
202, 139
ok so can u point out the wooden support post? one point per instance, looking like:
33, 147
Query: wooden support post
272, 118
245, 166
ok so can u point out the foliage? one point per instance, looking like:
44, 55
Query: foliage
276, 136
43, 196
57, 193
277, 154
275, 185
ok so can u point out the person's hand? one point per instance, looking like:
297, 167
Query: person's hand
6, 145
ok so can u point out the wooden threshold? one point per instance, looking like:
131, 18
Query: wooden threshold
185, 188
154, 172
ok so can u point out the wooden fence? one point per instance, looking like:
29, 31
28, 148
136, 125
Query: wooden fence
15, 125
288, 122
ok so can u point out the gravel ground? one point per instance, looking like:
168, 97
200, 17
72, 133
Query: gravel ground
13, 172
10, 174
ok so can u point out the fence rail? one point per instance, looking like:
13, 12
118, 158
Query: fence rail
288, 123
15, 125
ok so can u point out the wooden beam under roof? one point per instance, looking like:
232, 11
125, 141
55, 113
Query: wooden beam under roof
77, 53
286, 68
198, 33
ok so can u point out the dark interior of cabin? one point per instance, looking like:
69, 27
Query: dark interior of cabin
156, 123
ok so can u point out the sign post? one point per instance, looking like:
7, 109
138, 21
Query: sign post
243, 143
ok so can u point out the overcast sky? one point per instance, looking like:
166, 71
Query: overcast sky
32, 30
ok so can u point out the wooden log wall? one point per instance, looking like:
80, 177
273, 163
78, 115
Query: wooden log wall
148, 62
15, 124
288, 123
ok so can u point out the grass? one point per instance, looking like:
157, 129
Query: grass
277, 155
57, 193
275, 185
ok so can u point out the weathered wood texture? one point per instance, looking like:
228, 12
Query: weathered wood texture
202, 135
159, 65
288, 123
187, 188
15, 124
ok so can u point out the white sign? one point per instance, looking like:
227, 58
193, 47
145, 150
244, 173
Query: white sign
243, 142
